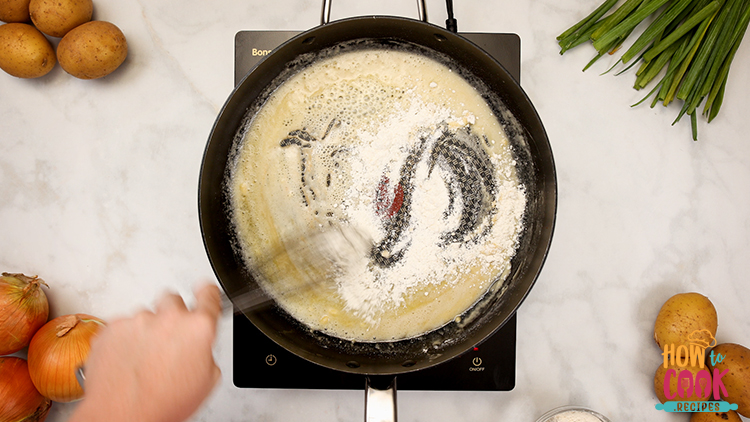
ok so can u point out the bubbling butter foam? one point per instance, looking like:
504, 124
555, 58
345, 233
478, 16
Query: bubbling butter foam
400, 147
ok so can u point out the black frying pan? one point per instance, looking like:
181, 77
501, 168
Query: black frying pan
536, 170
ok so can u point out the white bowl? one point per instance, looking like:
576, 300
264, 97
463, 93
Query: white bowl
568, 414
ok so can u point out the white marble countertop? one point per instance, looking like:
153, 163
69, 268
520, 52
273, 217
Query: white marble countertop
98, 186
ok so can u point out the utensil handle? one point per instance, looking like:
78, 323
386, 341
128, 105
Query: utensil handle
380, 399
81, 376
325, 15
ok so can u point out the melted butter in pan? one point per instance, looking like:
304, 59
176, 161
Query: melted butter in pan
404, 149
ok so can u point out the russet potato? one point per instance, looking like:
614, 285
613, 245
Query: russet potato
735, 359
14, 10
57, 17
92, 50
24, 51
683, 315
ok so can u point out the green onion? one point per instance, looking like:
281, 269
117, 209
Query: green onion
588, 20
724, 43
694, 20
578, 39
621, 13
716, 103
692, 42
719, 81
701, 58
627, 25
649, 70
695, 42
655, 29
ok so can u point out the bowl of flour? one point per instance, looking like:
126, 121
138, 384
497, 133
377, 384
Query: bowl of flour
572, 414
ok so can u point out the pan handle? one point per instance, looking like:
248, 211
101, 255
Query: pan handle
380, 398
325, 15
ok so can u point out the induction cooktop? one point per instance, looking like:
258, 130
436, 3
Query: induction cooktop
261, 363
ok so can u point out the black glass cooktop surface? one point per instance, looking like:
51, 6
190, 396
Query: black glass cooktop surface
261, 363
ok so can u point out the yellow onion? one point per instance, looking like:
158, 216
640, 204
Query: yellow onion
20, 399
23, 309
57, 350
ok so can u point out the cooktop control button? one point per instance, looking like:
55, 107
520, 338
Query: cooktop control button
271, 360
477, 362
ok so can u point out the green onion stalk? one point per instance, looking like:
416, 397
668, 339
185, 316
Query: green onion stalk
690, 43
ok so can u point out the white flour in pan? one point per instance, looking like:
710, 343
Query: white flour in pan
405, 152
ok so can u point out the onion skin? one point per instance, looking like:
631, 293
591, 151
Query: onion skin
20, 399
57, 350
23, 310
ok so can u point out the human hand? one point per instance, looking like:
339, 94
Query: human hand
156, 366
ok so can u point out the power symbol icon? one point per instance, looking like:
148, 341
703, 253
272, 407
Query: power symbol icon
477, 361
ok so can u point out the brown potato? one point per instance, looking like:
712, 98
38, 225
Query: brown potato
736, 361
14, 10
57, 17
730, 416
92, 50
684, 316
673, 383
24, 51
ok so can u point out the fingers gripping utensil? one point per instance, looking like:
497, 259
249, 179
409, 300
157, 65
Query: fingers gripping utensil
336, 244
333, 245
